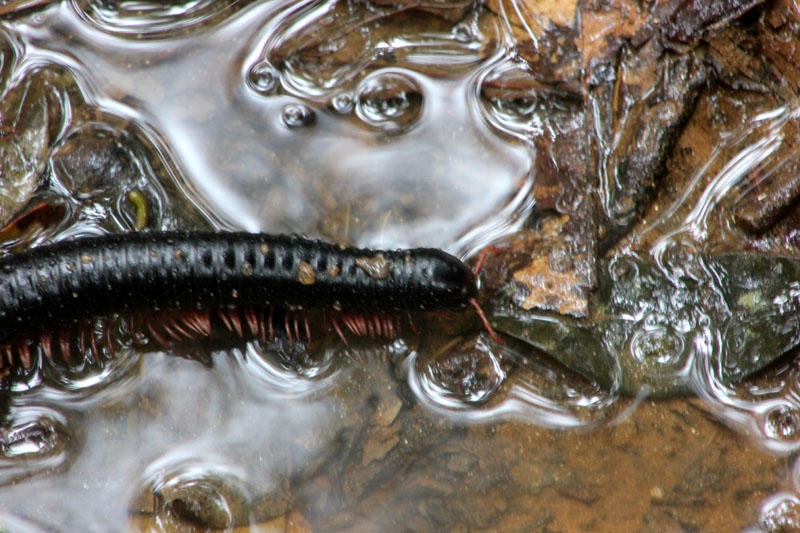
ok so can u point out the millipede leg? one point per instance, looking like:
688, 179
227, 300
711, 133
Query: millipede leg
338, 330
110, 341
232, 321
296, 321
178, 325
474, 303
237, 322
224, 317
8, 355
82, 340
286, 326
64, 344
96, 353
262, 326
251, 319
24, 354
308, 328
482, 258
153, 332
168, 325
411, 323
46, 343
348, 321
270, 323
199, 322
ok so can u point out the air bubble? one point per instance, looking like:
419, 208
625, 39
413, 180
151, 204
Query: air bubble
297, 116
191, 492
343, 103
288, 367
463, 33
780, 513
469, 374
34, 439
658, 344
782, 423
389, 101
263, 78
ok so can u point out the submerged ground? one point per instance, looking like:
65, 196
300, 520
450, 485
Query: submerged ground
633, 163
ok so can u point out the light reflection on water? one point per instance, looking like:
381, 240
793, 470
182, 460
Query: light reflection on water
176, 418
685, 236
246, 152
393, 148
538, 392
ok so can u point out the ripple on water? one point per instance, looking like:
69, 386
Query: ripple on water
297, 116
263, 78
780, 512
34, 440
782, 422
389, 100
204, 491
84, 381
471, 380
153, 19
343, 103
288, 368
462, 374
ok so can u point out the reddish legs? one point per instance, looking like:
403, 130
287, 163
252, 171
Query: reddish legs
482, 258
474, 303
492, 333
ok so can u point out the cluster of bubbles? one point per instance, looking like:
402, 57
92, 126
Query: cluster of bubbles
388, 100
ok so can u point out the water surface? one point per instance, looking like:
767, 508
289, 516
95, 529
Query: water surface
374, 128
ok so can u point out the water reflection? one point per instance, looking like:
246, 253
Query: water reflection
389, 101
754, 324
324, 183
290, 368
739, 166
197, 488
335, 119
475, 381
153, 20
171, 435
36, 440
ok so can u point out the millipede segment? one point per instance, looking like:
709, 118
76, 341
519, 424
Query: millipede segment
56, 299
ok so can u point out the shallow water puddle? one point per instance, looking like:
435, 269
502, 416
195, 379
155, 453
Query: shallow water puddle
382, 125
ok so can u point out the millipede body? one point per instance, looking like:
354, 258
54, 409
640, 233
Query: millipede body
71, 282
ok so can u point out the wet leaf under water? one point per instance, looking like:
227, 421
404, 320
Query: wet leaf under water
659, 328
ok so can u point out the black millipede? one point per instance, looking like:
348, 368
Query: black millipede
53, 293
